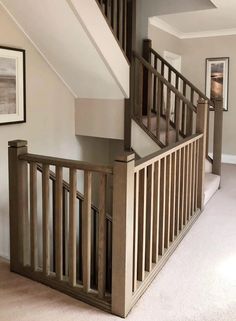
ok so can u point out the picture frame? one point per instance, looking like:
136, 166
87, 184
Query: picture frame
217, 79
12, 86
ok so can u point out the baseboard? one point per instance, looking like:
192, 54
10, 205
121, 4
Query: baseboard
5, 259
227, 158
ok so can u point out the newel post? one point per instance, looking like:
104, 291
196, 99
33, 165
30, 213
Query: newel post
217, 141
18, 200
201, 128
122, 239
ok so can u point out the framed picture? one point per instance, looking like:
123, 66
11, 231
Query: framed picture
217, 79
12, 86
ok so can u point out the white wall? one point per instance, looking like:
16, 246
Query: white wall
50, 127
100, 118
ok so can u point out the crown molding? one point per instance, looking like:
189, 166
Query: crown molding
159, 23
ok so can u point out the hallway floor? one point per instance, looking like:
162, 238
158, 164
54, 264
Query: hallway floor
197, 284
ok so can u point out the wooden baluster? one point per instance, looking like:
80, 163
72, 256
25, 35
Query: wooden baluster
176, 102
184, 110
136, 224
125, 26
59, 222
33, 217
168, 110
201, 128
194, 177
168, 200
154, 107
149, 102
162, 89
156, 211
72, 228
102, 238
197, 175
158, 111
86, 230
173, 196
109, 10
177, 118
187, 183
142, 223
115, 15
121, 11
149, 218
178, 192
183, 189
122, 235
189, 121
140, 93
65, 232
162, 207
46, 228
190, 179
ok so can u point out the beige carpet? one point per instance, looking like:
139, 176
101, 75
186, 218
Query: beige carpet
197, 284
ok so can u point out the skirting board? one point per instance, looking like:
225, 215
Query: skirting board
227, 159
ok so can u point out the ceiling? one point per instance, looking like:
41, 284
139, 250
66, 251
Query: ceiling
216, 21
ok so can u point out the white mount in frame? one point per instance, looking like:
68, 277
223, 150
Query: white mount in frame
12, 86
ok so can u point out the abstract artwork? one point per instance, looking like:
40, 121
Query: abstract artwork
12, 85
217, 78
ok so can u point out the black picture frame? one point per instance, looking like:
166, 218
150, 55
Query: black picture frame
217, 79
12, 85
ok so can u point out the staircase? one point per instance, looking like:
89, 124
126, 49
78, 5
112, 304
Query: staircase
107, 255
167, 112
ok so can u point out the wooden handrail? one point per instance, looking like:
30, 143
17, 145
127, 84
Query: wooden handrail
148, 160
184, 79
164, 81
67, 163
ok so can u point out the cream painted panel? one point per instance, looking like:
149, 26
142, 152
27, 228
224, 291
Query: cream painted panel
100, 118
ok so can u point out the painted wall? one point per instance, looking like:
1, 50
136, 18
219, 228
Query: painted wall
194, 52
163, 41
50, 127
100, 118
151, 8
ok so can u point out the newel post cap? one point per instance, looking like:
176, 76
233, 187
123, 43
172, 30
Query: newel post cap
17, 143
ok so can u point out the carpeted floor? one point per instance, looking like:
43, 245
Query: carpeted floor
197, 284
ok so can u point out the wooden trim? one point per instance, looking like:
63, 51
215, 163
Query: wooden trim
201, 127
33, 217
67, 163
18, 191
122, 239
46, 228
72, 228
218, 135
146, 161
